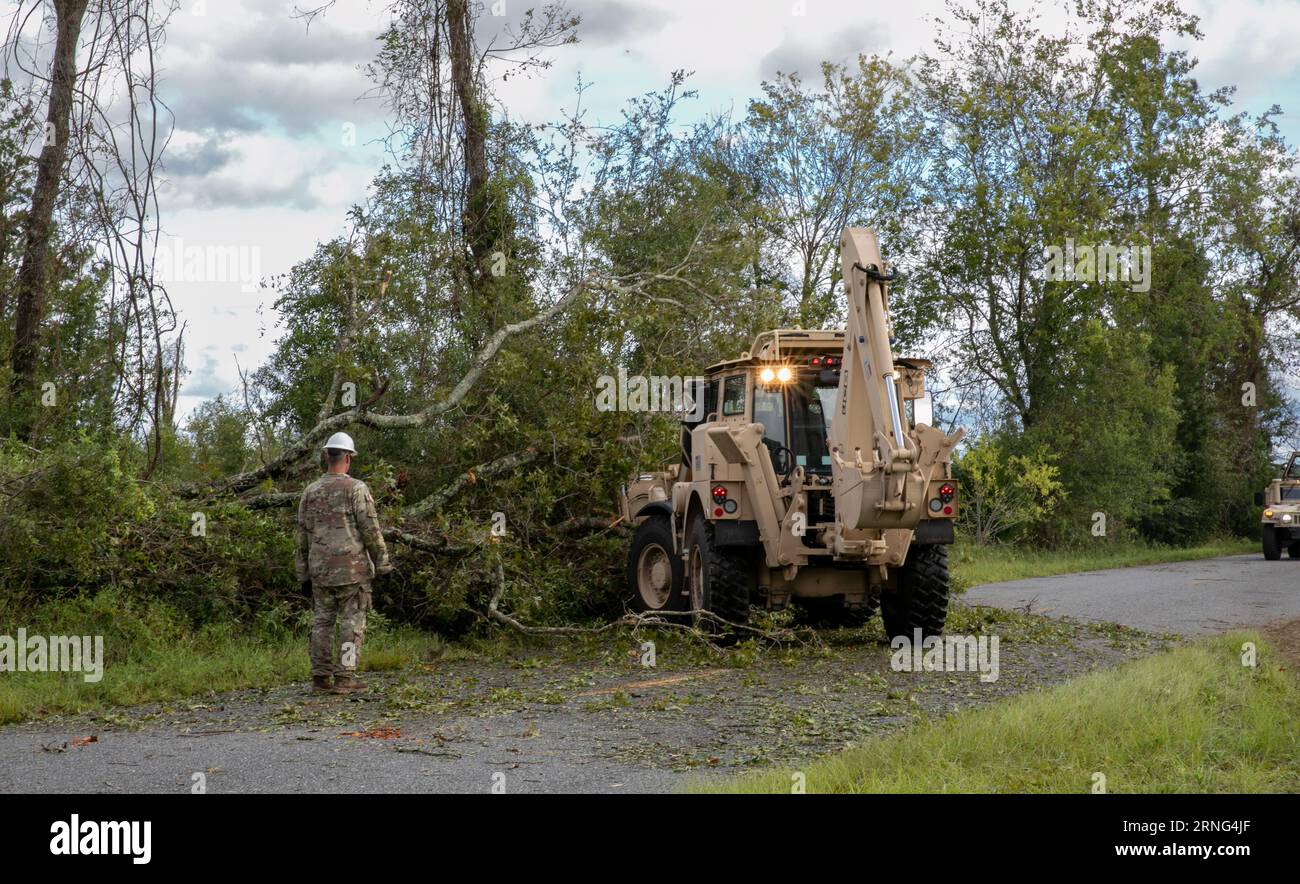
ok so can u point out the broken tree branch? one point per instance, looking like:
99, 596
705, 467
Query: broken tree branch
272, 501
638, 621
308, 442
405, 538
579, 524
439, 498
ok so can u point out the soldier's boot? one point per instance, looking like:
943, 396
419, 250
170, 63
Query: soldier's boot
320, 684
347, 684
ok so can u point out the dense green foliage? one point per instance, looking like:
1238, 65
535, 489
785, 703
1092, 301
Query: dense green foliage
76, 519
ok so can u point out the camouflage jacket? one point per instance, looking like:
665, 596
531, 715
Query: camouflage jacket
339, 539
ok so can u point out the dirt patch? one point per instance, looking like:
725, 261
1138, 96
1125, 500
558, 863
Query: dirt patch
1284, 636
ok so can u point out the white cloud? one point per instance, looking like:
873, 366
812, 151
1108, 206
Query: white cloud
1254, 46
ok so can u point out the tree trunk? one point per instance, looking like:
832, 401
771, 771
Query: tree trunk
459, 30
34, 272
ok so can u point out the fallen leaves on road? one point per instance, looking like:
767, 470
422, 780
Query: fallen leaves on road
420, 750
379, 733
655, 682
75, 742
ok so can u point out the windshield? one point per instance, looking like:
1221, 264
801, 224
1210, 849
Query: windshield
1292, 470
812, 404
769, 410
796, 420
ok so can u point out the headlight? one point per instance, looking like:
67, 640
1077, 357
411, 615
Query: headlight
767, 375
1286, 517
783, 374
1268, 514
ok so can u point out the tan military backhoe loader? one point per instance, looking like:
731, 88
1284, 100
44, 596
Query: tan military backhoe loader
814, 476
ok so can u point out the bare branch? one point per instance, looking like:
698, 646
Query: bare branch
439, 498
639, 621
308, 442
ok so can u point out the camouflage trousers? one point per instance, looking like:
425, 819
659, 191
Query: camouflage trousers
343, 607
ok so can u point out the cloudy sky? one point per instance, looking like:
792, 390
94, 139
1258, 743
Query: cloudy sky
275, 139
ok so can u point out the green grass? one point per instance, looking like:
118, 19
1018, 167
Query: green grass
1192, 719
972, 565
151, 655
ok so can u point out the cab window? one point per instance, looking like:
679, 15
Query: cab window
769, 410
702, 402
711, 399
733, 395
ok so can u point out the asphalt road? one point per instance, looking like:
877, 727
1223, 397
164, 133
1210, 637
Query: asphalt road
493, 755
1200, 597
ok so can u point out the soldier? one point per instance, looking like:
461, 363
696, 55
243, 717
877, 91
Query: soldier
340, 550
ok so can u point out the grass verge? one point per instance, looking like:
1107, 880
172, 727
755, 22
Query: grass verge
152, 655
972, 565
1193, 719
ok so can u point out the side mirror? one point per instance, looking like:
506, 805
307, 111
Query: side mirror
923, 410
1259, 498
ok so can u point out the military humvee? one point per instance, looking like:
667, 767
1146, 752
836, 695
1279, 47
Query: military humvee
1281, 516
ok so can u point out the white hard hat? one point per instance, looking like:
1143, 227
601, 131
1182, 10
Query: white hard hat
341, 442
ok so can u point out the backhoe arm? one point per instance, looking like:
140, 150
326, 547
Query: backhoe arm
880, 469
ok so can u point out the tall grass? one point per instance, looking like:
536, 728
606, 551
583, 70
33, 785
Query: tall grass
151, 654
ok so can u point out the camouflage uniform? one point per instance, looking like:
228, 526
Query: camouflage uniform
340, 549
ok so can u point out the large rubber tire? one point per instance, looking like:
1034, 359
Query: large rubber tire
1294, 549
721, 579
654, 572
920, 600
830, 612
1272, 551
